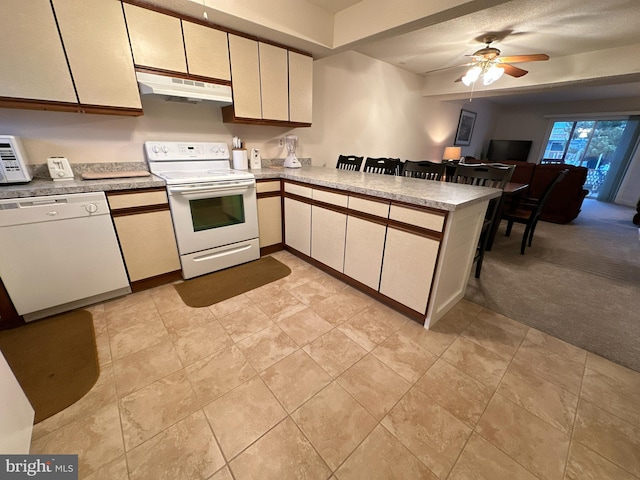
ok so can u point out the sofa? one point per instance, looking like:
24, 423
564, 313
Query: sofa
565, 201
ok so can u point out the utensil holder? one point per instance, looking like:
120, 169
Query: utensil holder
240, 159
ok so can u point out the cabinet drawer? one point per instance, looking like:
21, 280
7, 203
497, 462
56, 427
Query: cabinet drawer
419, 218
264, 187
330, 198
298, 190
137, 199
379, 209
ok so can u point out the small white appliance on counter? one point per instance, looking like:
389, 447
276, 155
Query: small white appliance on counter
59, 168
59, 252
256, 160
214, 208
13, 167
291, 161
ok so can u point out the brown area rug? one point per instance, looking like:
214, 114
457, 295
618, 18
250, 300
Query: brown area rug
54, 359
218, 286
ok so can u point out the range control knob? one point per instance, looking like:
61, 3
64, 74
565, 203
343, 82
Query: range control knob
91, 207
155, 149
164, 148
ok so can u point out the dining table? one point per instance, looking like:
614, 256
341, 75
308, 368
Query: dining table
510, 194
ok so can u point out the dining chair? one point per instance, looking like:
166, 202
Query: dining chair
424, 169
484, 175
349, 162
527, 211
386, 166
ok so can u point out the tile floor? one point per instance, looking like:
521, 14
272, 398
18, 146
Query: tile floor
306, 378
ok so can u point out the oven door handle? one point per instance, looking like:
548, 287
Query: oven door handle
209, 188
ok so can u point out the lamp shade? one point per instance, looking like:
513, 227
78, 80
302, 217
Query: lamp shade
452, 153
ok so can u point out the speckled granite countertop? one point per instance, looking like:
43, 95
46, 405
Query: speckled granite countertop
440, 195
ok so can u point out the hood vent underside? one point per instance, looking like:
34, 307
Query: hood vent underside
184, 90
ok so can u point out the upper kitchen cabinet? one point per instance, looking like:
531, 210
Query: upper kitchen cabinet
207, 51
300, 87
34, 66
274, 82
245, 77
98, 52
156, 39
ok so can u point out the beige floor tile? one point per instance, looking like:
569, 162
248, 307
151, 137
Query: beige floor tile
148, 411
482, 461
533, 443
393, 319
166, 298
95, 438
314, 291
185, 317
459, 317
550, 366
342, 305
480, 363
437, 339
120, 320
544, 399
429, 431
116, 470
230, 305
103, 347
382, 457
557, 346
374, 385
137, 336
222, 474
612, 437
304, 326
498, 340
245, 322
184, 450
585, 464
456, 391
335, 352
613, 388
300, 274
295, 379
503, 322
219, 373
367, 328
404, 357
266, 347
281, 306
283, 453
243, 415
199, 341
144, 367
320, 417
136, 301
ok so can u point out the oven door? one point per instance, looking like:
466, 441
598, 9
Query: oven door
209, 215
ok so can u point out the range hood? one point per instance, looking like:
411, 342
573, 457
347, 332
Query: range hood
180, 89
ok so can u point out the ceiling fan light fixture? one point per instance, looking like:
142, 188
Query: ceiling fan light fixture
491, 74
472, 75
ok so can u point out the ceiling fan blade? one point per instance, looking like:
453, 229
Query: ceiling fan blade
537, 57
513, 71
448, 68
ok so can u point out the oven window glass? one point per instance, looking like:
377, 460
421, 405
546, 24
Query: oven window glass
210, 213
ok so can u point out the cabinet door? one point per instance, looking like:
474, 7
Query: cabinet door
245, 77
33, 62
297, 225
363, 251
156, 39
328, 231
270, 221
300, 87
408, 267
274, 79
98, 51
207, 51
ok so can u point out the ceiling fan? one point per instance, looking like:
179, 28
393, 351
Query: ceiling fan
488, 64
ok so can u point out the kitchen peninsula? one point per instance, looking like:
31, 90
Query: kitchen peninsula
408, 242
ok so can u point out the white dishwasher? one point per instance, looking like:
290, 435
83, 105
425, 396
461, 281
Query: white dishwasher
59, 252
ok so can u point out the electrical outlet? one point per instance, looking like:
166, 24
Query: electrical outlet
281, 142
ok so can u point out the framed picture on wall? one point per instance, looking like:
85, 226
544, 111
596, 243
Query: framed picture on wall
465, 127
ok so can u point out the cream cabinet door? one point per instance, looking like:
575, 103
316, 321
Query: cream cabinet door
270, 221
156, 39
207, 51
328, 231
300, 87
297, 225
97, 46
408, 267
274, 80
33, 62
245, 77
363, 251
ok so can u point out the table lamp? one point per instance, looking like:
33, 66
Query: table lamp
452, 153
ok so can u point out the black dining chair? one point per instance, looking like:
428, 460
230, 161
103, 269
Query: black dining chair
385, 166
484, 175
527, 211
349, 162
424, 169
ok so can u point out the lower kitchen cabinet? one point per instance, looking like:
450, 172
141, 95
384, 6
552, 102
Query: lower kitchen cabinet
270, 221
363, 251
145, 232
297, 225
328, 232
407, 269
